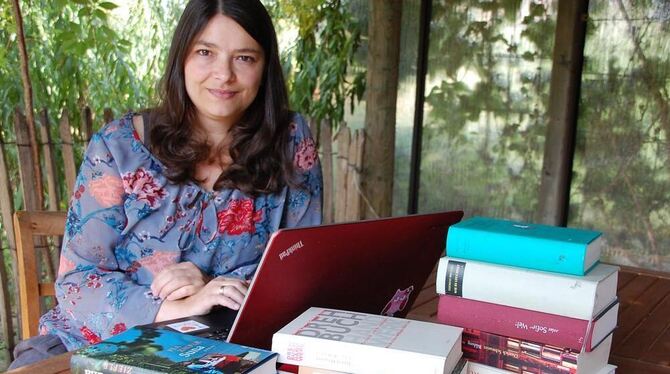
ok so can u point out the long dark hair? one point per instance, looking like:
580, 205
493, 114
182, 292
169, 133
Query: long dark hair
260, 161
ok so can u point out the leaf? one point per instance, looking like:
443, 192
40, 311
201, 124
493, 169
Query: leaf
108, 5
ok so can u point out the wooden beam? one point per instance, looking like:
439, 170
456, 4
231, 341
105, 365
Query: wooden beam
68, 154
49, 161
7, 210
385, 18
562, 114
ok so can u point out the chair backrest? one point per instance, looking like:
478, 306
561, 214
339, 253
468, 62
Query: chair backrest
27, 225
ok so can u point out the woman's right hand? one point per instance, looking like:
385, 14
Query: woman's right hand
224, 291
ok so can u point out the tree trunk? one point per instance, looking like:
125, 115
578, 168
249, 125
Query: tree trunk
559, 146
28, 103
381, 94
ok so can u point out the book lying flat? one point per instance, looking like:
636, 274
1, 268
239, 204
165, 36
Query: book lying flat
533, 246
522, 356
581, 297
354, 342
148, 350
527, 324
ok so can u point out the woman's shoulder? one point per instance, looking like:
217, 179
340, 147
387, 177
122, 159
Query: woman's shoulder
120, 134
118, 127
300, 129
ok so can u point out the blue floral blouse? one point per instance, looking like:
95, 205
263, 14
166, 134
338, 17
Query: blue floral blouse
126, 222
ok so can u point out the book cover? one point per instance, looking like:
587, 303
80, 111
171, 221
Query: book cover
533, 246
364, 343
523, 356
526, 324
581, 297
149, 350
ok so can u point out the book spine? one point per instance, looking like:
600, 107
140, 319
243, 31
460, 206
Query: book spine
352, 358
90, 365
517, 355
514, 322
516, 250
545, 292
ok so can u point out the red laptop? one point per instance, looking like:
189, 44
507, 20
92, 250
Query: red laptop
374, 266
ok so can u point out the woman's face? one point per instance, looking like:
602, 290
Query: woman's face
223, 71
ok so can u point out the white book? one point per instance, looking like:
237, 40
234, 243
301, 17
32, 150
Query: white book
365, 343
581, 297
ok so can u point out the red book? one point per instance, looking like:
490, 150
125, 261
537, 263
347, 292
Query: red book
521, 356
560, 331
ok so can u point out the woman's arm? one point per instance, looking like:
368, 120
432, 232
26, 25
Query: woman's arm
97, 297
304, 203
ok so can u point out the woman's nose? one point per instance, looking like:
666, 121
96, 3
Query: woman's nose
223, 70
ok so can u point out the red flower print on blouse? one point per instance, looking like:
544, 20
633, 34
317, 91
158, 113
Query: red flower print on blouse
89, 335
141, 183
239, 217
305, 155
93, 281
118, 328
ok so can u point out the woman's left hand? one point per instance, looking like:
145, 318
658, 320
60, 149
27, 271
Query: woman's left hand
178, 281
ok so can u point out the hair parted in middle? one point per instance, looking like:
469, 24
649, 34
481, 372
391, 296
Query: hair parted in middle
260, 161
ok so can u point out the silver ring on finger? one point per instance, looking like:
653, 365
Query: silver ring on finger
221, 289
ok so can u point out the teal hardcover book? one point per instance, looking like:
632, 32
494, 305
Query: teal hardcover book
145, 349
532, 246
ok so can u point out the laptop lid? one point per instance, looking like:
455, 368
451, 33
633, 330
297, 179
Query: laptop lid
375, 266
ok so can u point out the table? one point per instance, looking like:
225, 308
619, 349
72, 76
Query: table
641, 341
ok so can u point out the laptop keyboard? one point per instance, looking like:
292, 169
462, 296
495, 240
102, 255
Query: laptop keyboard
217, 334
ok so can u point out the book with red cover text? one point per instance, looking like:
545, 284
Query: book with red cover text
573, 333
522, 356
355, 342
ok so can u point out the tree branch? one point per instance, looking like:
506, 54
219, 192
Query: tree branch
28, 104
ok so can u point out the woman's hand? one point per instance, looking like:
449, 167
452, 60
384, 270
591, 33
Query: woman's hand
224, 291
178, 281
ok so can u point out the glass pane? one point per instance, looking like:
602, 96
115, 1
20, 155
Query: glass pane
621, 179
486, 97
409, 43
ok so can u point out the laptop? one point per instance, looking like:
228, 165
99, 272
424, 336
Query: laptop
374, 266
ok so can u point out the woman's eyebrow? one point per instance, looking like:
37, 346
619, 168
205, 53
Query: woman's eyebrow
206, 44
215, 46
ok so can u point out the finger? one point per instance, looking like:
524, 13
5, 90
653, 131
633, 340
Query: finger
232, 293
178, 282
162, 278
240, 283
182, 292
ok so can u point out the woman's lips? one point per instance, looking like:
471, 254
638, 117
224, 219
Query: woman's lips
223, 94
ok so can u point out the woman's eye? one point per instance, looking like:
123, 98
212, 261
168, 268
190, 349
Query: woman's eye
246, 58
203, 52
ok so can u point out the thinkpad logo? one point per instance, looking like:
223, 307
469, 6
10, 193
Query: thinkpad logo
289, 251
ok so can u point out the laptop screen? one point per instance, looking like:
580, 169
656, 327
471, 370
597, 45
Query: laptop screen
375, 266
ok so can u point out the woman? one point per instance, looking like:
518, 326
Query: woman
173, 208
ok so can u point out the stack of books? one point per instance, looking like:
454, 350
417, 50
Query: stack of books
337, 341
531, 298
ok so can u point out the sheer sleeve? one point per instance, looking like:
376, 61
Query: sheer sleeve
304, 201
97, 298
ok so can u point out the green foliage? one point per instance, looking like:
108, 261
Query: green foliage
320, 68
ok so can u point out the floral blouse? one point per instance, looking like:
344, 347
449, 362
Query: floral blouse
126, 222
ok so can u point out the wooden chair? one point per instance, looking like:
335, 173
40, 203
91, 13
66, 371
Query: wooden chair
27, 225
